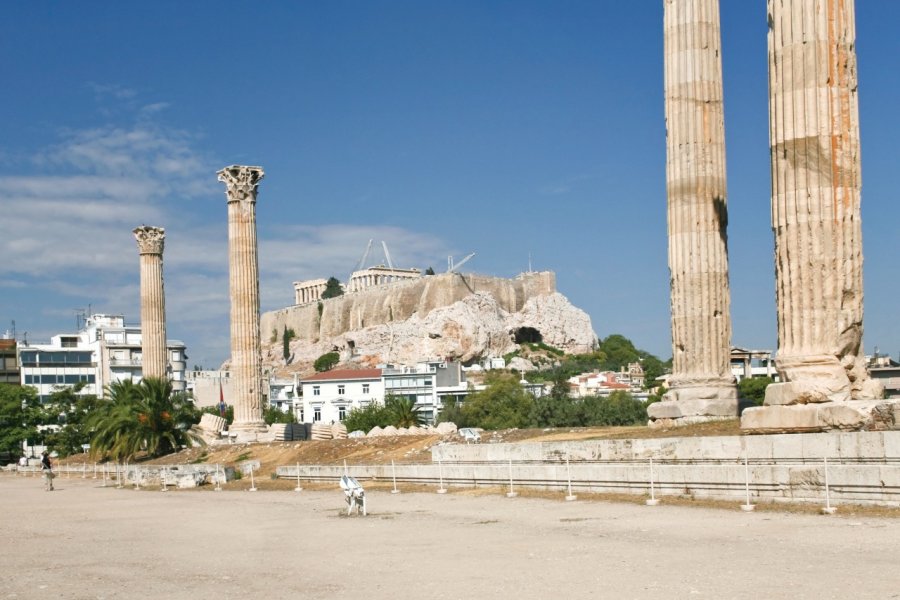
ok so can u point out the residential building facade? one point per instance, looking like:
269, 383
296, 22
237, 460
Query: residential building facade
329, 397
104, 351
9, 364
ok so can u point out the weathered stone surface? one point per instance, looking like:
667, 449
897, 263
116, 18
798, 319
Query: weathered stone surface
521, 364
712, 407
697, 211
321, 431
241, 186
339, 431
151, 242
814, 124
852, 415
446, 427
474, 327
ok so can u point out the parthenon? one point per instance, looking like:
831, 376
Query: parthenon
311, 290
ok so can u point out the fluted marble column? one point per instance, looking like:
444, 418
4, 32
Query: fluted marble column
150, 242
815, 158
241, 185
702, 387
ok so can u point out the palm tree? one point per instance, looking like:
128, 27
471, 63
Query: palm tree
403, 411
146, 417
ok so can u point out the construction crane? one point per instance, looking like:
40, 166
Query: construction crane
452, 268
362, 261
387, 255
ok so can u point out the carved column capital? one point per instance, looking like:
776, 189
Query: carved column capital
150, 240
241, 182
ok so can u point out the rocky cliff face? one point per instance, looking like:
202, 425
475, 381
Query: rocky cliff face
443, 316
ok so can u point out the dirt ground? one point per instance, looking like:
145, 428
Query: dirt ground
85, 541
406, 449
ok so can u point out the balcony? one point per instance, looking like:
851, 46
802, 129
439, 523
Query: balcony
125, 362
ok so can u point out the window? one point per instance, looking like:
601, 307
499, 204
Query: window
428, 382
365, 388
300, 415
342, 413
316, 391
340, 390
317, 414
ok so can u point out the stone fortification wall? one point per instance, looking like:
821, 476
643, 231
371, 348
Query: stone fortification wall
401, 300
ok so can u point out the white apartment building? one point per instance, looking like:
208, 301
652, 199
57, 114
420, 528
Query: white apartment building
103, 351
330, 396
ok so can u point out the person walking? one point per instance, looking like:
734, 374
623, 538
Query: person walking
47, 469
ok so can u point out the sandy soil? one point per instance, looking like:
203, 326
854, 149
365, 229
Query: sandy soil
405, 449
85, 541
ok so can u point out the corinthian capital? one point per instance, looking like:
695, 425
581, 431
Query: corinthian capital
150, 240
241, 182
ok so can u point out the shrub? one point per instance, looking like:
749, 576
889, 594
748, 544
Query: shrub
326, 362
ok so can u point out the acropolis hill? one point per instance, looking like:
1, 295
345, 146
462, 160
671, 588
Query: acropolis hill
451, 315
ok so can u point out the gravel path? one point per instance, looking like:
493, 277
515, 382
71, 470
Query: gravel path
85, 541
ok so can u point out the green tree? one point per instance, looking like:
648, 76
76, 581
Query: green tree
451, 412
619, 351
326, 362
754, 388
402, 411
20, 414
71, 410
429, 271
503, 404
556, 409
333, 289
653, 369
286, 343
276, 415
619, 408
147, 417
367, 417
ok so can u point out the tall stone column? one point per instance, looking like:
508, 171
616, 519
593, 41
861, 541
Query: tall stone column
815, 159
241, 185
702, 387
150, 242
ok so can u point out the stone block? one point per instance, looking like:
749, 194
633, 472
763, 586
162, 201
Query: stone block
771, 419
891, 441
841, 415
815, 446
861, 444
695, 407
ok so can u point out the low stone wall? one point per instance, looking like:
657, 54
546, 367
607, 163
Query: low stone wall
862, 467
810, 447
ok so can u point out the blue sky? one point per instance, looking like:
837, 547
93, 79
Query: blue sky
505, 128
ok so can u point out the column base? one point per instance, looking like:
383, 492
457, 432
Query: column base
820, 378
853, 415
253, 431
709, 400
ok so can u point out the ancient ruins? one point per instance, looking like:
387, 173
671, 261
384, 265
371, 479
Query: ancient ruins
467, 317
702, 386
241, 185
150, 242
815, 158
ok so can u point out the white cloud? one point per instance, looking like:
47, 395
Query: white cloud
66, 234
